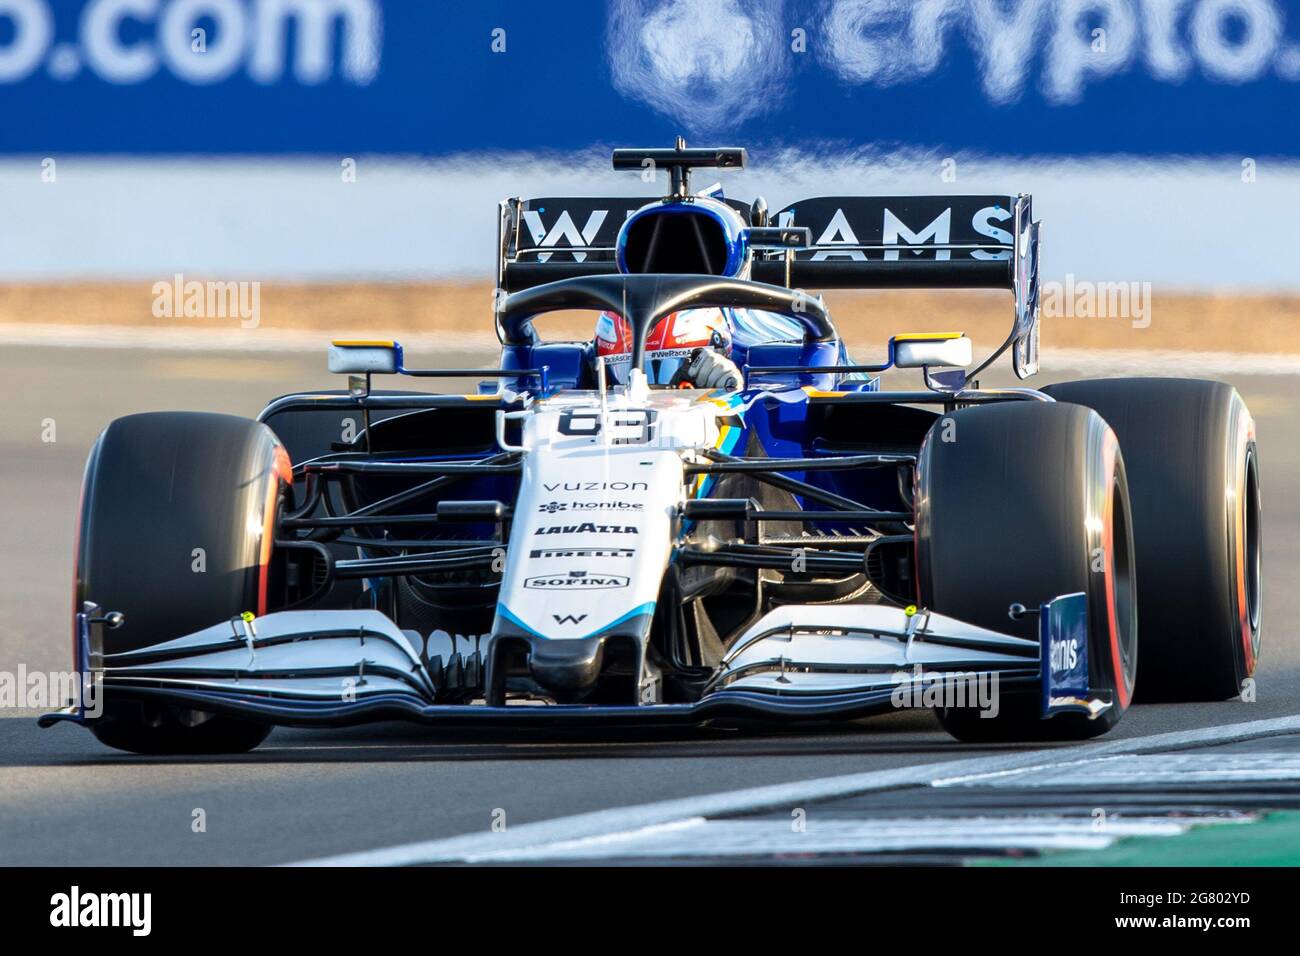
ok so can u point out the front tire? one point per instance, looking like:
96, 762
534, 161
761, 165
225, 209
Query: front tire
177, 521
1018, 504
1193, 468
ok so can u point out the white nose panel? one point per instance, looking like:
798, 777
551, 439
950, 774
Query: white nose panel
595, 516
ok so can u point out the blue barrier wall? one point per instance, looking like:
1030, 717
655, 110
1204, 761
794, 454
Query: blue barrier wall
431, 77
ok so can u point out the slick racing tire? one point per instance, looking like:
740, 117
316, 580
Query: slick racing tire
1193, 472
1018, 503
176, 527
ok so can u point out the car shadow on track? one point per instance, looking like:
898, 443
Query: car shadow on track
902, 733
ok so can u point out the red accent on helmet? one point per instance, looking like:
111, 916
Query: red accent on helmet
669, 344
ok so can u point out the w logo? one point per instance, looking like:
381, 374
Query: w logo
569, 618
565, 228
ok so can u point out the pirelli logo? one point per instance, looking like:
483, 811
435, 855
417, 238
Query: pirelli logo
582, 553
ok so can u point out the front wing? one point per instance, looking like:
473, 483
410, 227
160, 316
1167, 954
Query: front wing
342, 667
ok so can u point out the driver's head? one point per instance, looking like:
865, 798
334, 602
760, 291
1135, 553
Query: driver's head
668, 347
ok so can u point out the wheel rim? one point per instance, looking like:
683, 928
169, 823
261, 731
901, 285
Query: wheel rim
1122, 575
1252, 544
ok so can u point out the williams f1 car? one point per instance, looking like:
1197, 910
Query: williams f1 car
589, 536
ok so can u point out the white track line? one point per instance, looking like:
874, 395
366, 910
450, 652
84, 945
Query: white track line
1121, 769
1176, 362
723, 839
620, 820
220, 339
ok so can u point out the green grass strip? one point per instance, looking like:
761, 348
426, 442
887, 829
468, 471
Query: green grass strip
1272, 841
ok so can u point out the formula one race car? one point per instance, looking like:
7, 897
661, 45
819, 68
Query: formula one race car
592, 536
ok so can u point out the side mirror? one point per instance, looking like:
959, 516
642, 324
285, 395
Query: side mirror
931, 349
779, 237
363, 355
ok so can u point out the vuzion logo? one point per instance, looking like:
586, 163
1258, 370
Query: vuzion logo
596, 486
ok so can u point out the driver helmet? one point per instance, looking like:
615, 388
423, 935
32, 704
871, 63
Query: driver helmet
669, 347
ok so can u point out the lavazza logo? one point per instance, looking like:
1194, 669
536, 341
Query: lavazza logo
587, 528
576, 581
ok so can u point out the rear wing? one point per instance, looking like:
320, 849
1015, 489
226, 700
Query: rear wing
542, 240
858, 242
919, 242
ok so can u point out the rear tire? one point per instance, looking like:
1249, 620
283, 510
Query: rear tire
177, 519
1021, 503
1199, 549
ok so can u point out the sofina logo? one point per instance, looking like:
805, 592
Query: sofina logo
576, 581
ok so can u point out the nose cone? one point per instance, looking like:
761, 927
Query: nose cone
568, 667
604, 668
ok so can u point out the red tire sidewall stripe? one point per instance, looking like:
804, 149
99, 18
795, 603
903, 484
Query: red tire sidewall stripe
1242, 441
279, 474
918, 517
1110, 448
